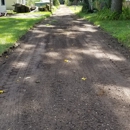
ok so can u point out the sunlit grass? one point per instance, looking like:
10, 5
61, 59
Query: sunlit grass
119, 29
11, 29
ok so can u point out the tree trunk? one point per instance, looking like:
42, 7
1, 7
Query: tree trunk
50, 5
91, 4
116, 6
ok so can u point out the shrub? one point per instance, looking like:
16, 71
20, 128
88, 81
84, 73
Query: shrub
56, 3
125, 15
85, 8
44, 8
107, 14
67, 2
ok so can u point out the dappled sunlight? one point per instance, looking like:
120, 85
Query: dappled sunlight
65, 76
63, 72
37, 31
116, 98
115, 57
74, 57
98, 53
53, 55
91, 30
120, 93
29, 46
114, 91
40, 35
19, 64
47, 26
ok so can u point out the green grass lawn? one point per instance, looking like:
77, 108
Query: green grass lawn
119, 29
11, 29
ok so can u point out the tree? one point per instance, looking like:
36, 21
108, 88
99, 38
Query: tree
116, 6
86, 5
50, 5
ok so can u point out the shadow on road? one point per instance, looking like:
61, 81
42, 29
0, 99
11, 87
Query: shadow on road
51, 94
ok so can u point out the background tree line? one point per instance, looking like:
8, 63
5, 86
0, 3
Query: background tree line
114, 5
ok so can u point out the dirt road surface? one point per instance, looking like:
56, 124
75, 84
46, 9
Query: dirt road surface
66, 75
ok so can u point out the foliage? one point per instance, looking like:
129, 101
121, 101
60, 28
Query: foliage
11, 29
89, 5
86, 6
56, 3
31, 2
67, 2
125, 15
101, 4
107, 14
119, 29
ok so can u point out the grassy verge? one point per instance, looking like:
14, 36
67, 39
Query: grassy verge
11, 29
119, 29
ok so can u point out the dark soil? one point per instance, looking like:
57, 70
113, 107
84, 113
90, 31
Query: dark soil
66, 75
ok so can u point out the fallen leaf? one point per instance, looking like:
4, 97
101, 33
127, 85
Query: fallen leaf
1, 91
66, 60
6, 56
84, 78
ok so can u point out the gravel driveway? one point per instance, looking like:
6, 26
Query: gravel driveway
66, 75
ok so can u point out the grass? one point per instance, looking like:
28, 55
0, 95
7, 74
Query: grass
11, 29
119, 29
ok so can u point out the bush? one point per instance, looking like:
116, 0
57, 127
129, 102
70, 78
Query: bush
125, 15
107, 14
56, 3
44, 8
67, 2
85, 8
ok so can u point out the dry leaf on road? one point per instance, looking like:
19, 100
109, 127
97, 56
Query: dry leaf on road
84, 78
66, 60
1, 91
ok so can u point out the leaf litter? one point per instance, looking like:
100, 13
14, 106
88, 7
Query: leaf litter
83, 78
1, 91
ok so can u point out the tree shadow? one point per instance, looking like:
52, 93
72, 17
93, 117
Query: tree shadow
51, 93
